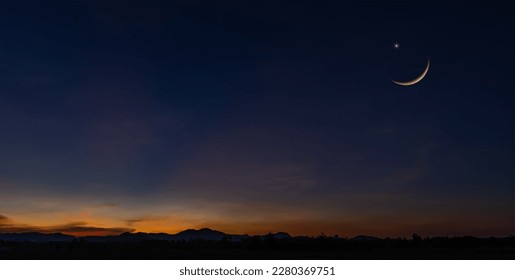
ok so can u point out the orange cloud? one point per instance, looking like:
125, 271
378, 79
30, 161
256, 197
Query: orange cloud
76, 229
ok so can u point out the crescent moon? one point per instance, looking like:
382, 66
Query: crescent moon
417, 79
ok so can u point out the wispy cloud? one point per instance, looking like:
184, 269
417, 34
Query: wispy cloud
3, 220
7, 225
146, 219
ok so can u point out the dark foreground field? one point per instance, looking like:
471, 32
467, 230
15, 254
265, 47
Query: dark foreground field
266, 248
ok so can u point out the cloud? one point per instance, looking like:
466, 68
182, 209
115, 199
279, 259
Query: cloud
82, 229
3, 220
76, 228
106, 205
152, 223
133, 222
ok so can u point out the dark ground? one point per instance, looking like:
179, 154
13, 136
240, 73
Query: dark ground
259, 248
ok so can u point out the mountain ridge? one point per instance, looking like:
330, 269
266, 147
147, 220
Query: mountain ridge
185, 235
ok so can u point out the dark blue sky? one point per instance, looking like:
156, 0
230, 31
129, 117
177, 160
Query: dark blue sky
191, 113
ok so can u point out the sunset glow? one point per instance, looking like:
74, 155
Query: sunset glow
250, 118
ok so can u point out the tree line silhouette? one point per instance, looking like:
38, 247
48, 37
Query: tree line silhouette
268, 247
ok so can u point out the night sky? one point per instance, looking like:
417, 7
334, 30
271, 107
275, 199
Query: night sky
257, 116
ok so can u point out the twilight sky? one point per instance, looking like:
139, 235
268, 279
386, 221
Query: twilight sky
257, 116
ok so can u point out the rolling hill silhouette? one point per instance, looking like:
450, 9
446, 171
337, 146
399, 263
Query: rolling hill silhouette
206, 243
186, 235
36, 237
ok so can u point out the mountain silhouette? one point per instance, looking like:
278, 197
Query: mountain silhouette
36, 237
280, 235
212, 244
201, 234
186, 235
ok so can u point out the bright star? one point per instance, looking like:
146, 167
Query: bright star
396, 45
